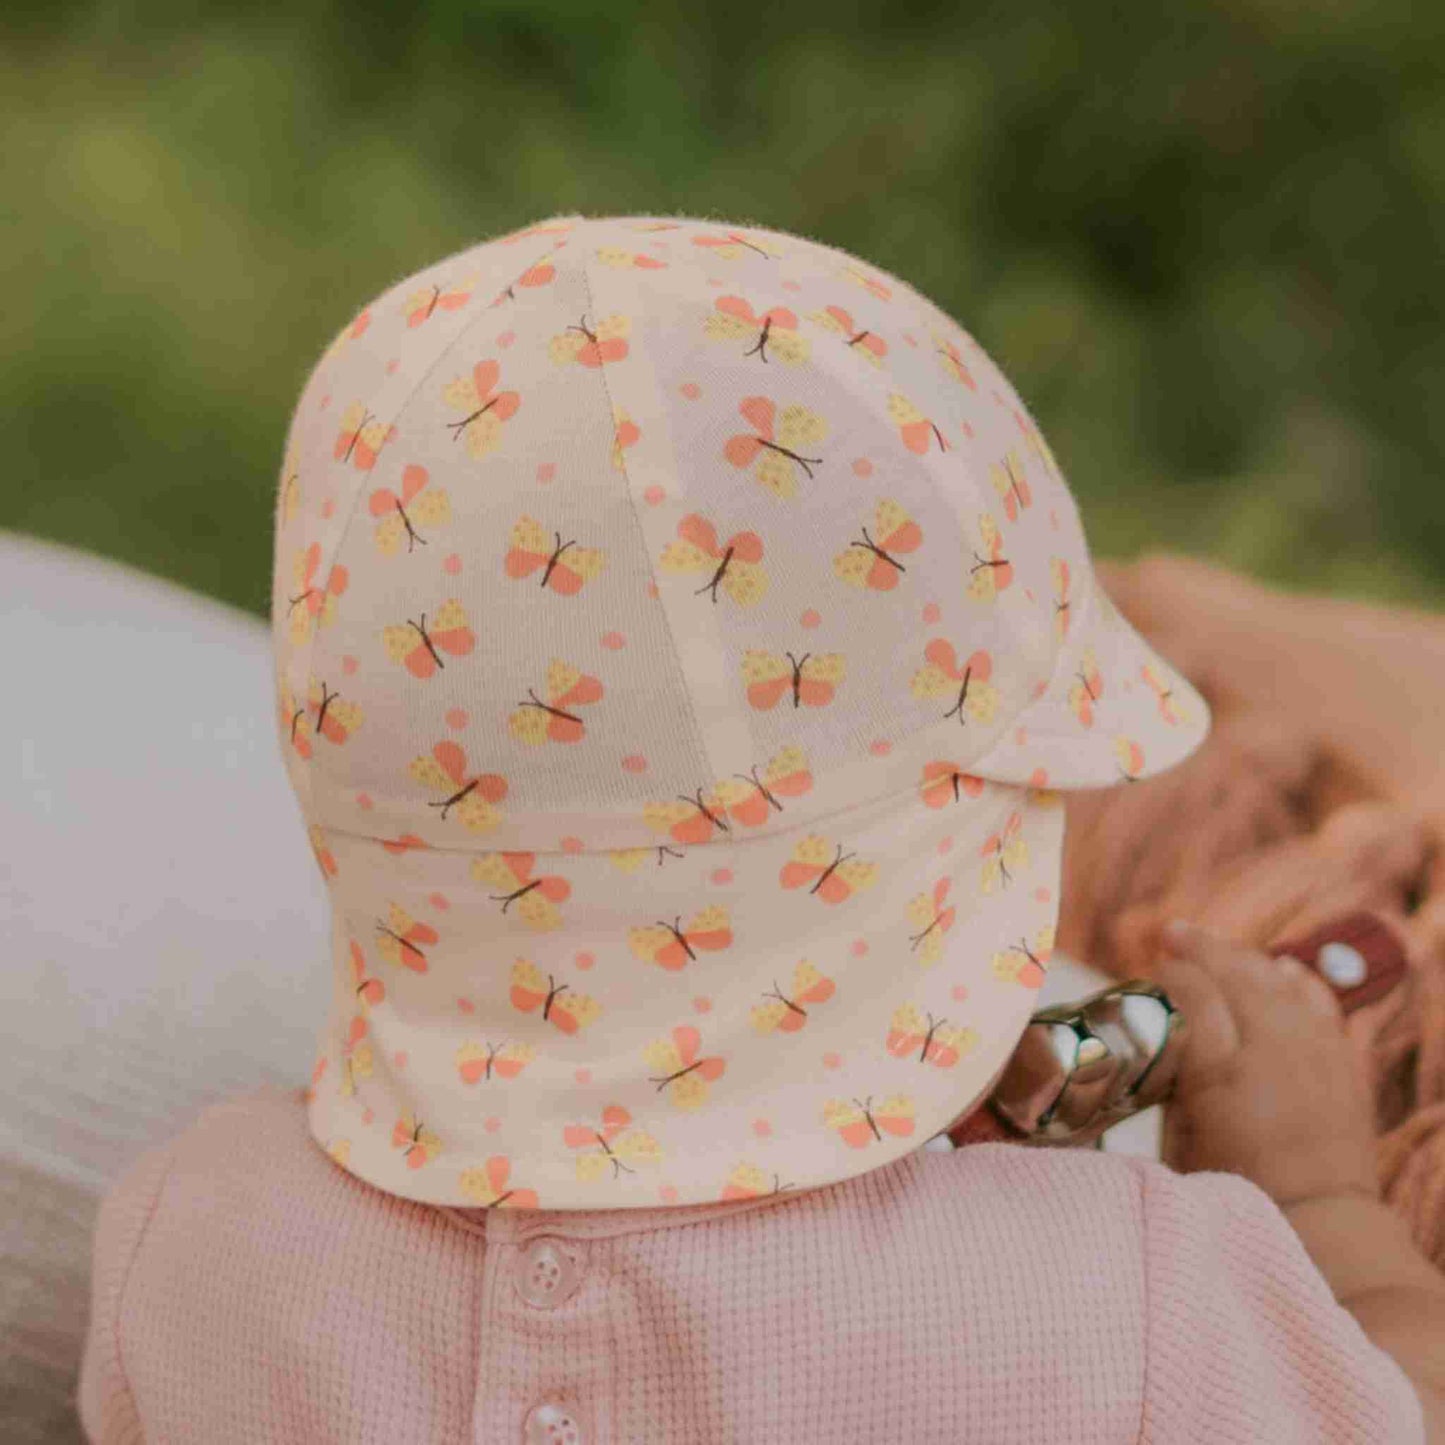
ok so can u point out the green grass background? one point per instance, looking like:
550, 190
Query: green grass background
1204, 239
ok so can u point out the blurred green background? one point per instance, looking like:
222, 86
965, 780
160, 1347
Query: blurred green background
1203, 239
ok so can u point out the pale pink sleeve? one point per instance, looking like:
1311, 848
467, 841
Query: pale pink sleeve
1245, 1340
107, 1409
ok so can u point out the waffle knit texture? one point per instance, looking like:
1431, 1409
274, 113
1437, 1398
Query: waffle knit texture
247, 1289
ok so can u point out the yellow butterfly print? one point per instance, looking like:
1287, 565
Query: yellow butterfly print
736, 566
340, 1150
873, 562
1087, 688
568, 1011
625, 433
474, 796
295, 722
488, 1186
592, 346
313, 603
934, 919
1171, 709
1024, 963
565, 566
749, 798
672, 947
916, 431
424, 303
536, 898
357, 1059
622, 259
1012, 485
333, 718
613, 1143
929, 1041
538, 721
1131, 758
858, 339
684, 1075
747, 1181
869, 283
419, 505
833, 878
812, 680
773, 334
968, 685
688, 820
419, 648
399, 940
1003, 855
484, 409
784, 1013
774, 449
859, 1123
419, 1144
290, 487
991, 572
474, 1063
361, 437
735, 244
1059, 571
952, 361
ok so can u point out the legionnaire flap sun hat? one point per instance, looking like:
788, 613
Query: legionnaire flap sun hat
682, 634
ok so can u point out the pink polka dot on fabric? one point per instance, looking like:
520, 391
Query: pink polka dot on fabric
572, 844
635, 763
583, 1076
691, 390
945, 845
810, 618
1040, 688
466, 1006
584, 960
762, 1128
967, 429
715, 281
325, 402
958, 992
931, 613
667, 1193
1042, 895
367, 1116
1029, 593
1127, 685
546, 471
613, 640
452, 564
791, 286
858, 947
862, 467
1021, 736
392, 365
702, 1003
832, 1060
363, 801
1039, 778
491, 1123
349, 665
653, 495
328, 507
880, 747
506, 339
439, 901
910, 338
721, 876
457, 718
1054, 520
399, 1058
652, 589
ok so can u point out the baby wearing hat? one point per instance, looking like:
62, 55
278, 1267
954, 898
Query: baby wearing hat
683, 635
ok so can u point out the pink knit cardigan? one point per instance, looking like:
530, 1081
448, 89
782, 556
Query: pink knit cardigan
246, 1289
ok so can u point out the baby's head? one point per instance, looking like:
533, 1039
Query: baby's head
682, 633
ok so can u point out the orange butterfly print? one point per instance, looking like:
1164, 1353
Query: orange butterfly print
542, 228
506, 1062
629, 860
357, 1059
353, 329
784, 1013
671, 946
1002, 851
872, 563
868, 344
325, 859
1059, 571
487, 1186
777, 447
314, 603
404, 844
688, 1075
537, 275
332, 718
361, 437
536, 898
294, 721
736, 567
1087, 688
871, 284
561, 1008
916, 430
832, 880
934, 918
735, 320
536, 722
858, 1123
474, 795
811, 680
992, 574
340, 1150
611, 1144
423, 304
626, 433
954, 364
1131, 758
1023, 964
589, 346
420, 1144
733, 244
565, 566
934, 1041
622, 259
688, 820
400, 516
290, 498
1036, 440
747, 1181
370, 991
968, 685
399, 940
419, 648
943, 782
748, 797
486, 408
1012, 485
1172, 711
